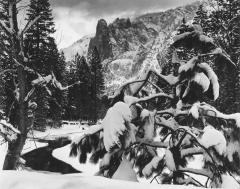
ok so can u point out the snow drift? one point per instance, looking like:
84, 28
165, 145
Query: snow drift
29, 180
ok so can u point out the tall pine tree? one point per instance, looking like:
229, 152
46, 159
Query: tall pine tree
79, 96
70, 113
97, 84
84, 95
45, 58
6, 81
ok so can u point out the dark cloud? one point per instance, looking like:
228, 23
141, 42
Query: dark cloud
100, 8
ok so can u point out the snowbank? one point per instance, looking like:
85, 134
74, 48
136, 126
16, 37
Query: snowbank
3, 151
67, 130
63, 155
30, 180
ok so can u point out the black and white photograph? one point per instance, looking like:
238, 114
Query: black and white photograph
113, 94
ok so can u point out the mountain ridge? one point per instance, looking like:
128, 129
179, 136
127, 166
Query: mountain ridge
143, 18
134, 45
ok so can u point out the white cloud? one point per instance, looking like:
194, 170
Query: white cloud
77, 18
71, 27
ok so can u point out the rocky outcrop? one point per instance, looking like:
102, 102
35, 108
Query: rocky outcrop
101, 40
120, 36
128, 35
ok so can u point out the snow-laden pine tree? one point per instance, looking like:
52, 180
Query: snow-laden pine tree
221, 21
154, 132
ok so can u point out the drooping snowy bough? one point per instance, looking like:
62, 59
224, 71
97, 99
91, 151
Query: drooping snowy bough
154, 133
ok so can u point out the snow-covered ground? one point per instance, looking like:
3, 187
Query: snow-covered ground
30, 180
25, 180
3, 151
63, 155
65, 130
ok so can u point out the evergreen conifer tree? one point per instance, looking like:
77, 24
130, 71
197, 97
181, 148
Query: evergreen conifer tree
201, 18
79, 96
70, 113
97, 83
223, 25
6, 79
83, 74
45, 58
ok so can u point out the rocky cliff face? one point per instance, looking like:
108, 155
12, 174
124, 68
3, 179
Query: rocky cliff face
129, 47
101, 40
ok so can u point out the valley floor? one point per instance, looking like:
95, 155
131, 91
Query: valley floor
23, 179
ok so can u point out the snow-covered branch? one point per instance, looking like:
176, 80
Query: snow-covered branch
7, 70
58, 85
170, 124
26, 68
69, 86
152, 143
191, 151
190, 180
29, 25
7, 131
92, 130
136, 85
42, 80
173, 112
170, 79
151, 166
202, 172
29, 94
196, 40
51, 79
144, 99
4, 123
208, 110
4, 26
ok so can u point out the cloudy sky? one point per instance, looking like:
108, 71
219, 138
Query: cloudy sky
77, 18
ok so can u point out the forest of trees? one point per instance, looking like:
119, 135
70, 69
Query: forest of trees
36, 88
222, 24
44, 57
84, 101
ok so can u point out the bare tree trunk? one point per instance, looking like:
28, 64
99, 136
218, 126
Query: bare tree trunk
13, 154
20, 117
15, 147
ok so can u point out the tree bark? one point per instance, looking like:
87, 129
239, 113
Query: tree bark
20, 115
13, 153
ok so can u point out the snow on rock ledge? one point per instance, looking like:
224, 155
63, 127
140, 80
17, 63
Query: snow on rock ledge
30, 180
